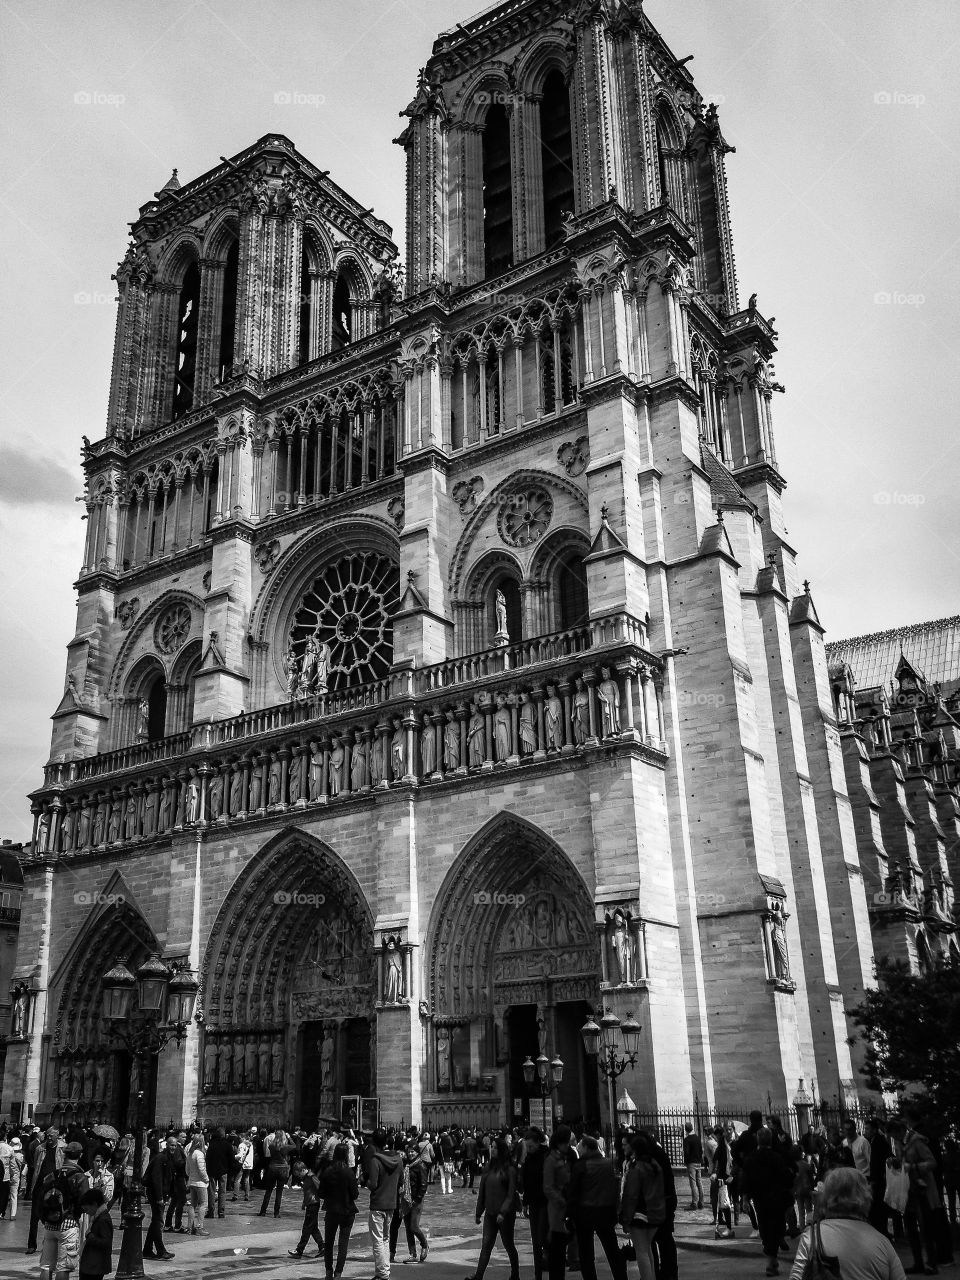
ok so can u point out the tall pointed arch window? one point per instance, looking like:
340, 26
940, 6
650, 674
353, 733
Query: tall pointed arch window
556, 147
185, 363
306, 307
343, 314
228, 308
497, 193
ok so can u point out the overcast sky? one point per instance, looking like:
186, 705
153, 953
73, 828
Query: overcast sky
844, 194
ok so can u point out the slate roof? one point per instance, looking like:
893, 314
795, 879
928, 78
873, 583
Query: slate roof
725, 491
933, 648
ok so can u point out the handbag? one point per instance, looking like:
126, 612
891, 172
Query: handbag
723, 1199
819, 1266
897, 1189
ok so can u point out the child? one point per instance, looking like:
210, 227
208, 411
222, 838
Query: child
96, 1258
311, 1209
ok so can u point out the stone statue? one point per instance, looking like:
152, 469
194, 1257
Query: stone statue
143, 720
376, 759
67, 827
116, 815
236, 790
103, 1076
224, 1075
250, 1065
19, 1015
216, 796
43, 831
83, 839
163, 815
192, 803
64, 1077
623, 948
293, 780
501, 729
393, 974
581, 713
397, 754
210, 1065
609, 694
502, 634
292, 671
358, 763
451, 743
337, 758
778, 942
476, 745
553, 719
309, 669
256, 786
263, 1065
428, 747
130, 817
322, 677
274, 781
328, 1064
443, 1058
89, 1078
98, 824
316, 772
528, 725
150, 812
76, 1080
276, 1062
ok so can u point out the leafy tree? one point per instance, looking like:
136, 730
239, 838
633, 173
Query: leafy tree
911, 1023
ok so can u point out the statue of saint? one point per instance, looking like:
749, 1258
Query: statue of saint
225, 1064
397, 754
358, 763
116, 815
322, 676
130, 817
309, 669
451, 743
67, 828
528, 725
328, 1050
64, 1078
443, 1058
581, 713
293, 779
43, 831
166, 799
236, 790
623, 948
501, 729
316, 772
778, 942
276, 777
83, 838
250, 1065
103, 1076
143, 720
98, 824
150, 811
609, 694
337, 758
292, 671
376, 759
256, 786
276, 1063
192, 803
89, 1078
476, 745
216, 796
428, 747
502, 634
393, 974
20, 1015
210, 1065
263, 1066
553, 719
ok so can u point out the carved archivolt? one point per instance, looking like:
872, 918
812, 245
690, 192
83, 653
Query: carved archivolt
133, 647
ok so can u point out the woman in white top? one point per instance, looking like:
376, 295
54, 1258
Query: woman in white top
197, 1182
846, 1234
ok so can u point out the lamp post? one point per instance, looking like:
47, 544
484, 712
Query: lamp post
602, 1041
545, 1073
163, 1011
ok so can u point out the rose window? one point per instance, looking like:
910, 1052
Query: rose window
350, 608
172, 628
525, 516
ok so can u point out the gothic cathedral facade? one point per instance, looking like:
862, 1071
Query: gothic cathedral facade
443, 674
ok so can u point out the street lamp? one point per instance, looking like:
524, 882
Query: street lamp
603, 1040
544, 1074
165, 1001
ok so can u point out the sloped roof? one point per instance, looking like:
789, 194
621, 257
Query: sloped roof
725, 492
933, 648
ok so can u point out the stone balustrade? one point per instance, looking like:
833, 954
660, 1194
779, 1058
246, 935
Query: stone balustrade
547, 699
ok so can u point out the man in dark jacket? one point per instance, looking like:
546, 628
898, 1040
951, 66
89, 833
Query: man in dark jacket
469, 1150
693, 1160
219, 1164
47, 1159
880, 1153
157, 1183
593, 1197
178, 1188
96, 1257
744, 1146
339, 1191
768, 1181
384, 1182
534, 1200
664, 1245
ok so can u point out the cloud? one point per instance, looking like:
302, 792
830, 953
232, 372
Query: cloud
26, 479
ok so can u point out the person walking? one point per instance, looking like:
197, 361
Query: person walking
276, 1148
664, 1245
693, 1161
742, 1147
17, 1166
310, 1185
447, 1150
722, 1179
880, 1153
219, 1156
643, 1205
768, 1181
911, 1152
469, 1153
858, 1146
383, 1179
556, 1179
60, 1213
415, 1183
533, 1198
96, 1254
245, 1160
844, 1233
157, 1185
48, 1160
339, 1192
497, 1209
593, 1197
178, 1186
198, 1182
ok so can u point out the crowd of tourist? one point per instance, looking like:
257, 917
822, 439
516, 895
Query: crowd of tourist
844, 1195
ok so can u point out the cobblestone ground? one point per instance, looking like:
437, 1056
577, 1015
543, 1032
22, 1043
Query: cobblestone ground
242, 1244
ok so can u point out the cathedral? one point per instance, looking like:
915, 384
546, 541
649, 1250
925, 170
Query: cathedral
443, 676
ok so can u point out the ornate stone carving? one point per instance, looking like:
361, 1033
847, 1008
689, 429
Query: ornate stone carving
126, 612
574, 455
267, 554
466, 494
525, 517
172, 629
396, 510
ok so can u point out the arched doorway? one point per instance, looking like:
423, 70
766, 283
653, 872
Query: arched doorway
287, 989
514, 967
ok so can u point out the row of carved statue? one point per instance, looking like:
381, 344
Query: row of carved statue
83, 1077
238, 1063
495, 729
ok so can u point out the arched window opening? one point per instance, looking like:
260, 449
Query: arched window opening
572, 599
342, 331
497, 193
185, 363
156, 709
306, 307
662, 166
548, 374
556, 147
228, 309
511, 594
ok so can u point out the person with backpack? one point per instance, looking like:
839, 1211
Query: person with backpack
643, 1205
96, 1256
277, 1147
60, 1213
